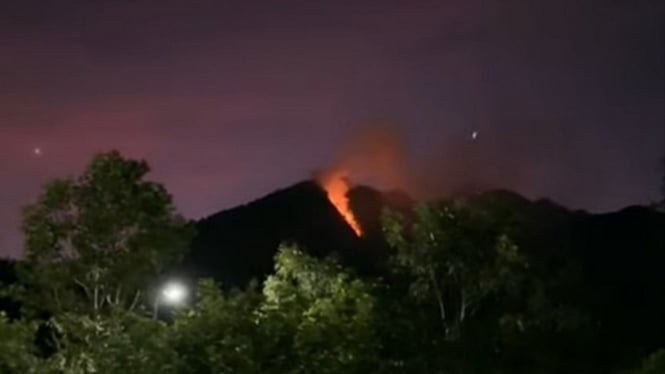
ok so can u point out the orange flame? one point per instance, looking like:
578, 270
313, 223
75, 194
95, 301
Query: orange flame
336, 184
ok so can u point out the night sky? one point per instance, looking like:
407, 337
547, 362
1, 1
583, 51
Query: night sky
230, 100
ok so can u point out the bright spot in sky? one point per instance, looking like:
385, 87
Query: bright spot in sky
37, 151
474, 135
174, 293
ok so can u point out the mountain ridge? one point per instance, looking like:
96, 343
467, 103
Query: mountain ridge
612, 264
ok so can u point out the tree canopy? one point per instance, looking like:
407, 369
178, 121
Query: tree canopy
95, 241
458, 295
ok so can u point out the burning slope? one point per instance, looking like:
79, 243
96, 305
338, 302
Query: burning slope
375, 156
336, 184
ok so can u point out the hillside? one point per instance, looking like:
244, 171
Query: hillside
238, 244
609, 265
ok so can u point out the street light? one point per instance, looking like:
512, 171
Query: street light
172, 293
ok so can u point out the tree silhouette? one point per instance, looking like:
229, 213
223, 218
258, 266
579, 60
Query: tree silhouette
95, 241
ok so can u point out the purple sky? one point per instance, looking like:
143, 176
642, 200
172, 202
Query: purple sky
229, 100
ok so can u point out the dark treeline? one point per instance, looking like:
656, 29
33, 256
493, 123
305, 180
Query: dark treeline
489, 283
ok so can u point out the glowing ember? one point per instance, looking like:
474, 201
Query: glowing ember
336, 184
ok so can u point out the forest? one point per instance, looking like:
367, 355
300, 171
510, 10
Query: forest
489, 283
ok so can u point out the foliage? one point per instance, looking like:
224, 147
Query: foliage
219, 334
311, 316
468, 299
456, 258
17, 351
319, 316
654, 364
458, 296
120, 342
93, 242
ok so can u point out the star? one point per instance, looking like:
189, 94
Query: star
474, 135
37, 151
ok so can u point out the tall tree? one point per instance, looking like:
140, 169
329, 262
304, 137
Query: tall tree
319, 317
312, 316
456, 257
470, 302
95, 241
220, 333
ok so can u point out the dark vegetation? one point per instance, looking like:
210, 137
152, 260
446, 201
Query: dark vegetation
488, 283
609, 266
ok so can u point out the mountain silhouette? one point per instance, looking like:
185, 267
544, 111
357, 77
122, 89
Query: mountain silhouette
617, 259
239, 244
612, 264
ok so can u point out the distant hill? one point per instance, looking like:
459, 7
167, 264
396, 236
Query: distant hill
613, 264
236, 245
239, 244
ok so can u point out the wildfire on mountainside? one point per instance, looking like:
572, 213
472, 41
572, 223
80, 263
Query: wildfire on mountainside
336, 184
